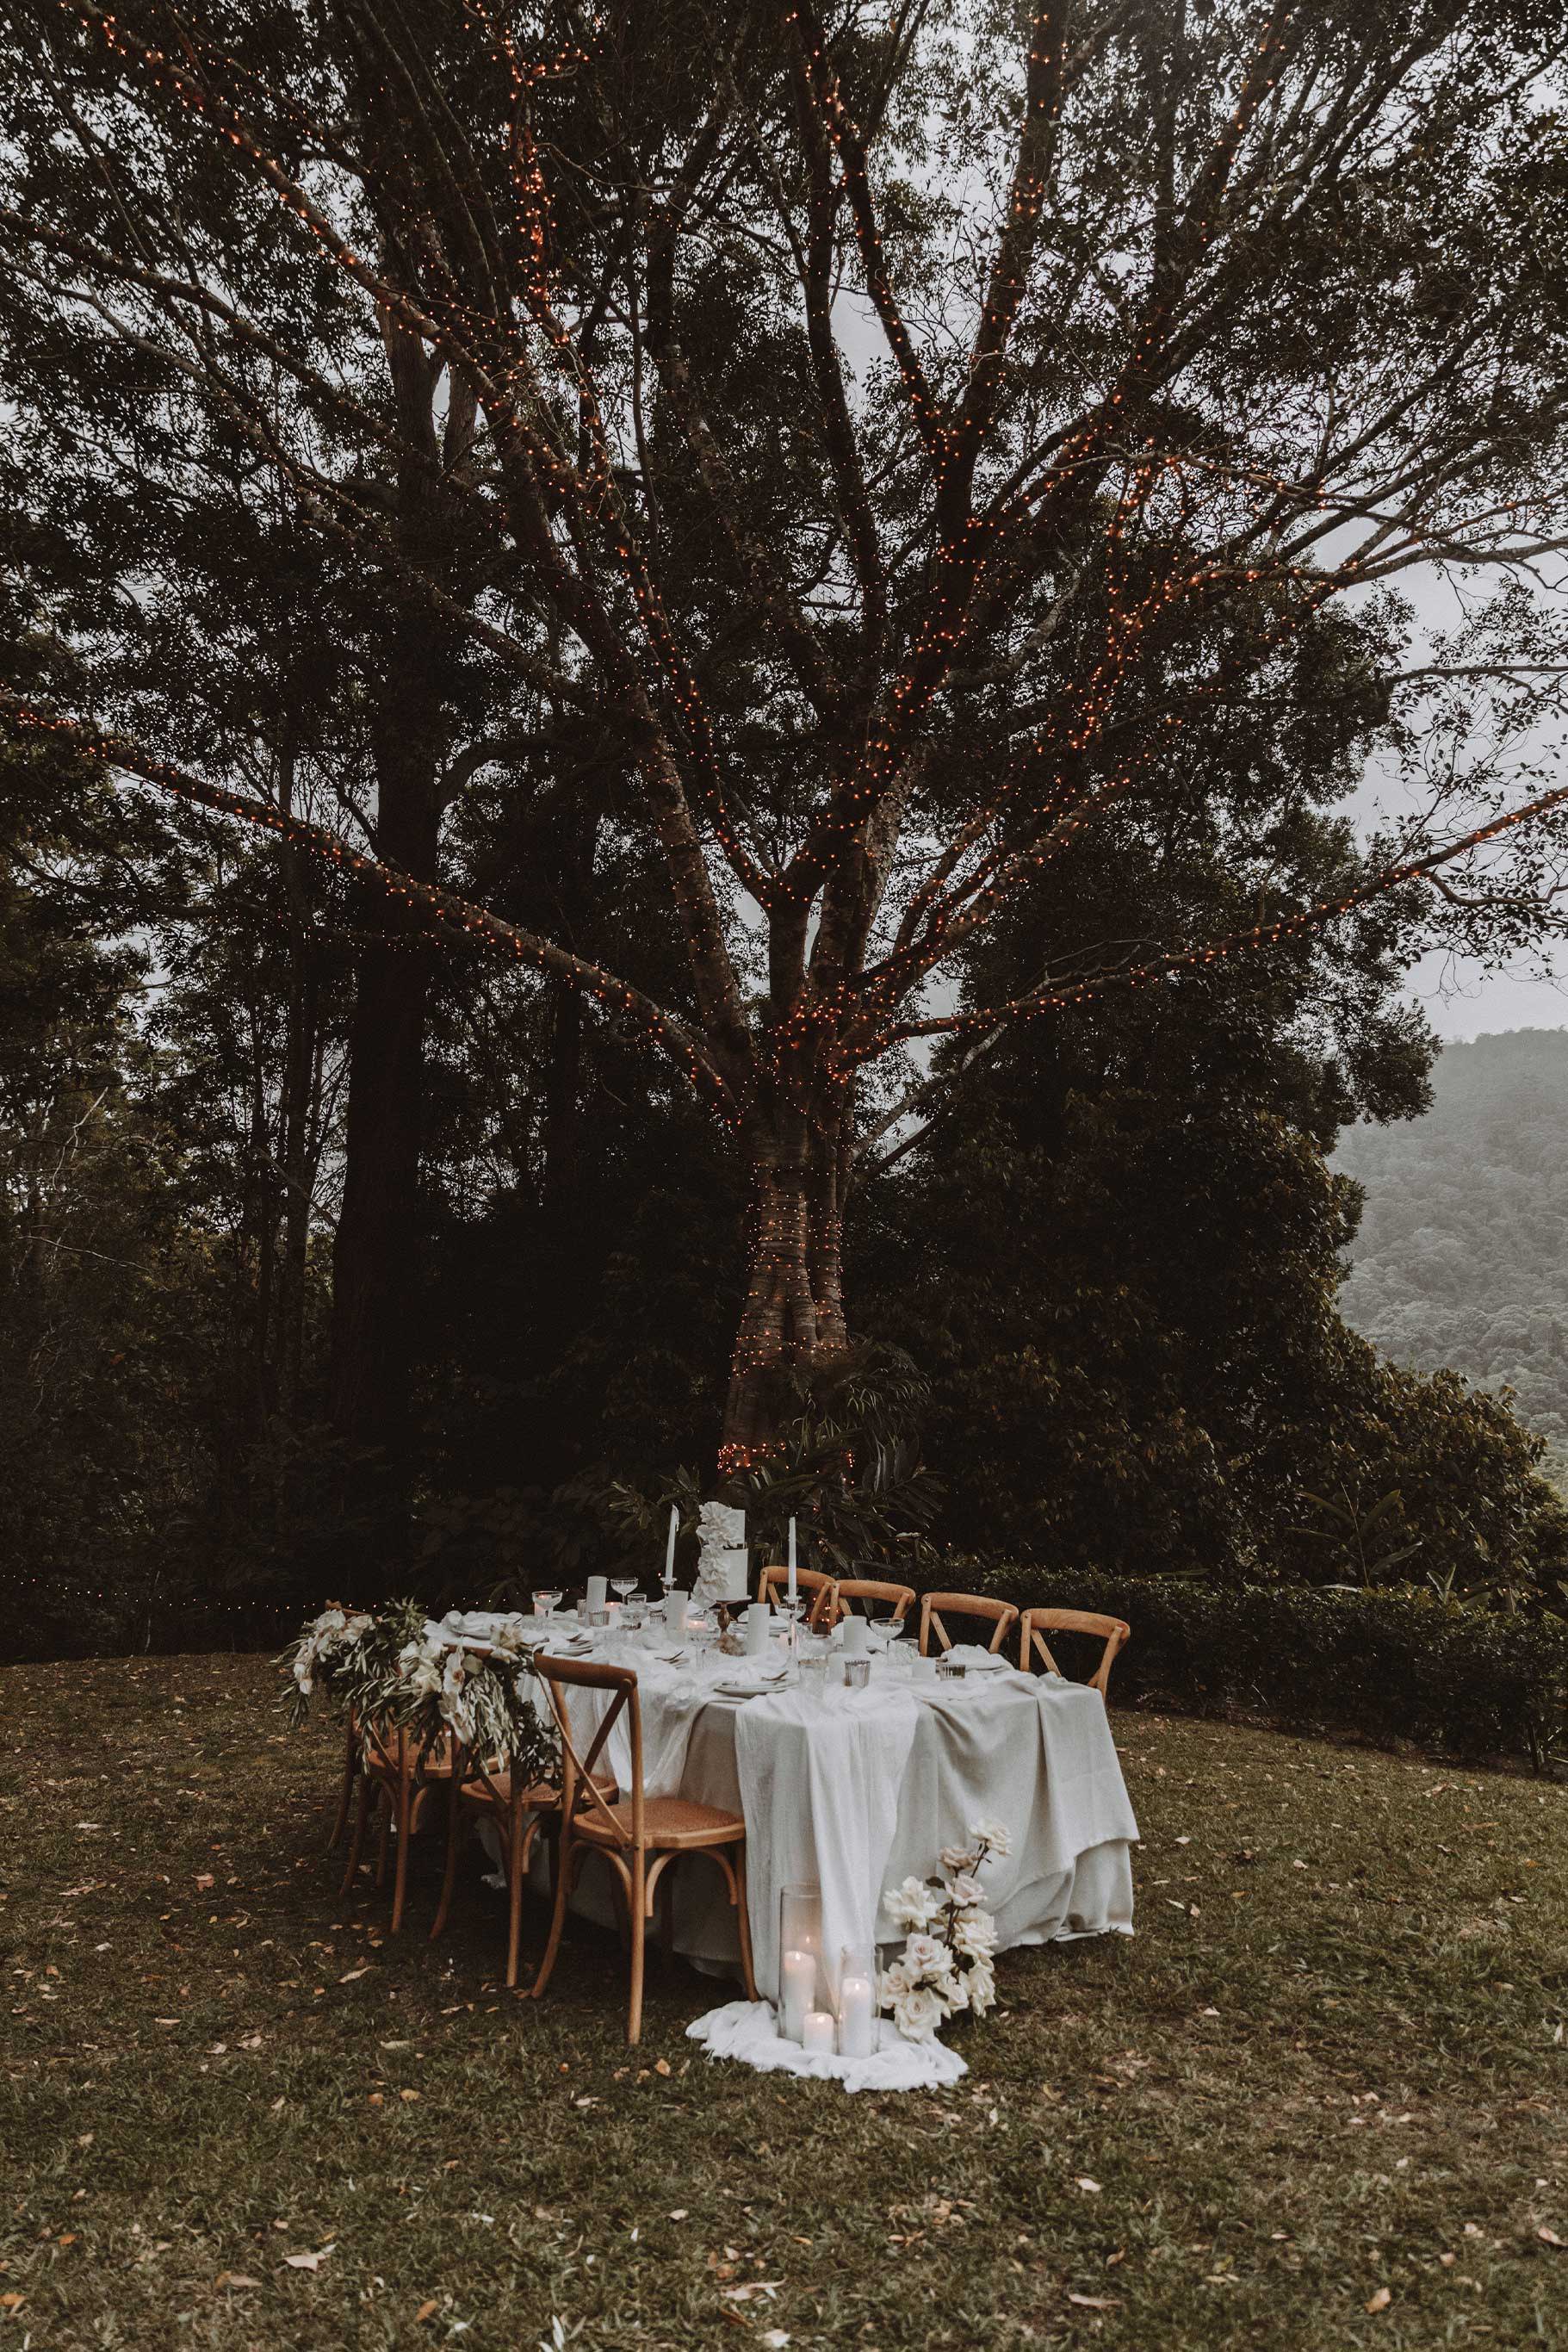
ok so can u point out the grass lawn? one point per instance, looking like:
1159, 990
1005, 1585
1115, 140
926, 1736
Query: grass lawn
1329, 2073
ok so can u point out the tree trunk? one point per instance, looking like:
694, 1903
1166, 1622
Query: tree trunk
793, 1316
376, 1251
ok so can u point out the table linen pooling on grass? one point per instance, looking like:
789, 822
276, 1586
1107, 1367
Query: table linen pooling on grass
865, 1789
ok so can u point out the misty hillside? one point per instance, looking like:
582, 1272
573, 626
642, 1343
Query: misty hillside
1462, 1257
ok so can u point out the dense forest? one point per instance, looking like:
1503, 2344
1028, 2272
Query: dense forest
1462, 1254
600, 897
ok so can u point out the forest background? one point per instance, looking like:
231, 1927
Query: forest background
337, 1258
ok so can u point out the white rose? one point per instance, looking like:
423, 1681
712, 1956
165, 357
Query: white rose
912, 1904
995, 1835
967, 1889
896, 1982
958, 1857
918, 2013
981, 1986
925, 1956
975, 1935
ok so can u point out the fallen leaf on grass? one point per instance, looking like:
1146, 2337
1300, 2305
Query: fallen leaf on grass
774, 2338
754, 2286
679, 2214
235, 2278
426, 2311
408, 2094
354, 1975
1090, 2187
1381, 2300
1549, 2237
661, 2065
1094, 2302
11, 2301
307, 2262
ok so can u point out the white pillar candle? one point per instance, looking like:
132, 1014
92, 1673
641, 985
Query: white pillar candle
670, 1547
857, 2018
797, 1985
856, 1642
598, 1592
817, 2030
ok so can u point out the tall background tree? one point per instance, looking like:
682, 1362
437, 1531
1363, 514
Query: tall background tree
787, 494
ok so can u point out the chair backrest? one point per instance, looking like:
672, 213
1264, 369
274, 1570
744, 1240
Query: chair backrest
394, 1749
821, 1589
900, 1598
1002, 1613
577, 1791
1037, 1623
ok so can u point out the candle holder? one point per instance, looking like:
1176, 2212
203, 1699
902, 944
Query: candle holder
801, 1978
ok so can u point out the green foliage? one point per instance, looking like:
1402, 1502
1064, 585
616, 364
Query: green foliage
1459, 1258
1389, 1663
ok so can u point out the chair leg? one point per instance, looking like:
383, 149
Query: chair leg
514, 1890
564, 1854
454, 1838
361, 1818
743, 1925
639, 1910
405, 1840
346, 1793
383, 1823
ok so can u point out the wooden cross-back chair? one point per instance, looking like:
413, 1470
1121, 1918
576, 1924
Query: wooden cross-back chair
1037, 1623
399, 1773
1000, 1615
639, 1836
519, 1809
869, 1589
820, 1591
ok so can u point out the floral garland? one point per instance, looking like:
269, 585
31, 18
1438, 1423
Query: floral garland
948, 1961
384, 1667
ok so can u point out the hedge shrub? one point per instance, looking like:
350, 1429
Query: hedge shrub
1388, 1663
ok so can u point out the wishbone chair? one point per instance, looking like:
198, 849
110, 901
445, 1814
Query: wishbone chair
639, 1836
1037, 1623
820, 1590
401, 1773
900, 1599
963, 1604
486, 1786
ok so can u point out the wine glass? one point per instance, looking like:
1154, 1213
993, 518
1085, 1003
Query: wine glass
547, 1600
625, 1586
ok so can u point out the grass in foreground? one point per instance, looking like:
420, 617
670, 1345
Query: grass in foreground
1329, 2073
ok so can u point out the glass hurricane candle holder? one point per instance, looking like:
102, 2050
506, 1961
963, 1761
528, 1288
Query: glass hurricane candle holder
801, 1984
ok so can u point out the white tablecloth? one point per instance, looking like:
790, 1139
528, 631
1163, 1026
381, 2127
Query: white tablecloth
864, 1789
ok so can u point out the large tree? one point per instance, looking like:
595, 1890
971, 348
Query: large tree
886, 432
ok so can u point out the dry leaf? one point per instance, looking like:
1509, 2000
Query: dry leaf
307, 2262
354, 1975
204, 1878
754, 2286
1094, 2302
426, 2311
1090, 2187
661, 2065
408, 2094
1381, 2300
235, 2278
679, 2214
11, 2301
774, 2338
1549, 2237
375, 2100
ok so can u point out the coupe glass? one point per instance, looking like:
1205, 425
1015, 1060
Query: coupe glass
623, 1585
546, 1602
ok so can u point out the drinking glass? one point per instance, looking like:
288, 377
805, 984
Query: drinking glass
623, 1585
547, 1600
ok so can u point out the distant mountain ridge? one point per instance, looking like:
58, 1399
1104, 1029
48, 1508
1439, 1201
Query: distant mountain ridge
1462, 1256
